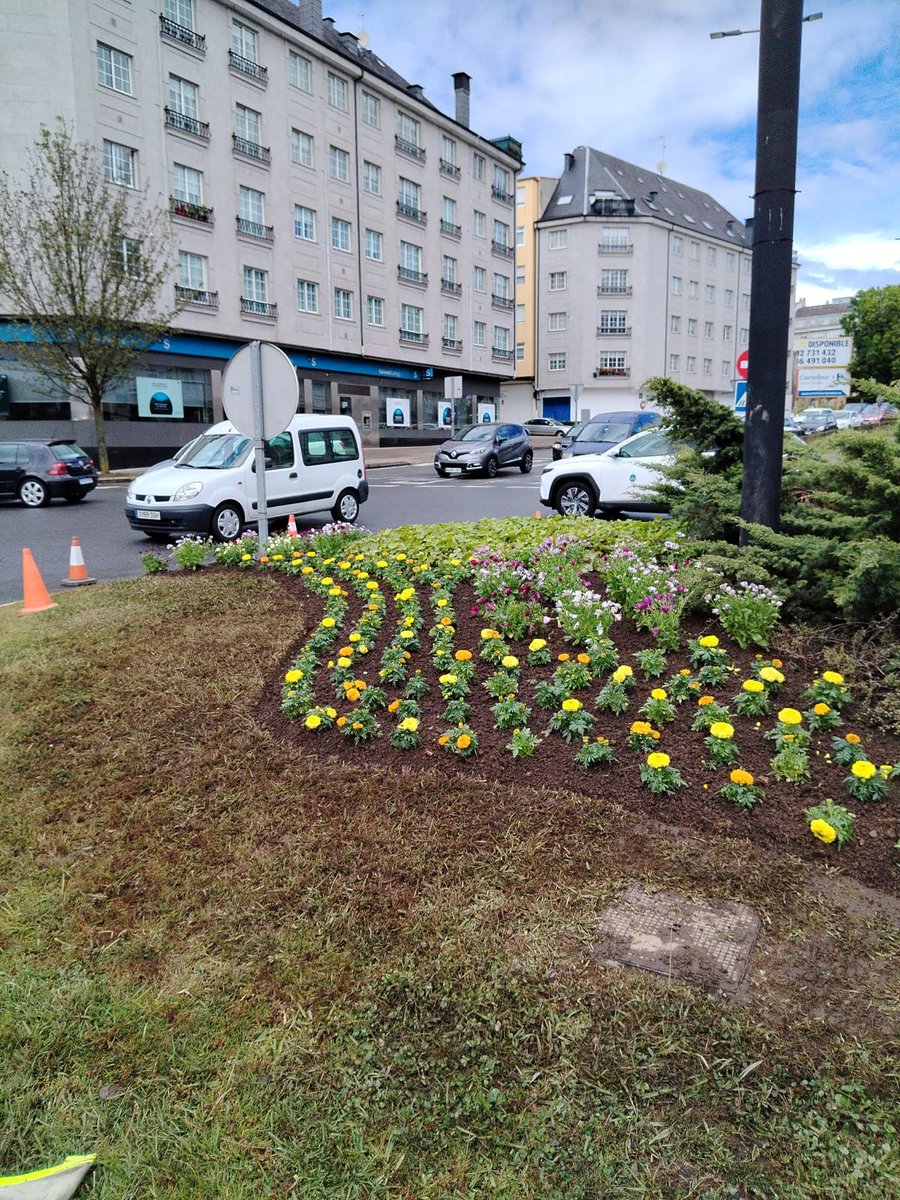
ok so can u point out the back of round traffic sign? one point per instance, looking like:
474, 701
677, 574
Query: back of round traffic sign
280, 390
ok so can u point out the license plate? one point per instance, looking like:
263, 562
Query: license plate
87, 481
146, 514
453, 467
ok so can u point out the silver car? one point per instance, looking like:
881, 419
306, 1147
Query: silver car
485, 449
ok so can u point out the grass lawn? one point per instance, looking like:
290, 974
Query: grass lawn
237, 967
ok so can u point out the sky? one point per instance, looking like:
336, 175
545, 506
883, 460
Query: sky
642, 80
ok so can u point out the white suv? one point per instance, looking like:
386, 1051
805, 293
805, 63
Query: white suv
610, 482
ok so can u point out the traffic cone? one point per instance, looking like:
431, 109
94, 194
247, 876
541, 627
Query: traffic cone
538, 513
78, 575
37, 598
292, 527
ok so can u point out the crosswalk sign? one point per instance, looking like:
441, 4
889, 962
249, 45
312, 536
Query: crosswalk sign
740, 397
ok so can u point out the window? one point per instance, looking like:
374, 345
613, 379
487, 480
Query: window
119, 164
614, 281
448, 269
372, 178
745, 335
729, 297
188, 184
520, 346
299, 71
301, 148
340, 234
114, 69
374, 245
710, 293
707, 366
501, 181
184, 97
556, 362
676, 285
614, 321
557, 281
520, 235
479, 169
479, 223
338, 163
343, 304
745, 299
243, 41
448, 150
557, 321
693, 289
307, 296
726, 333
480, 279
451, 328
520, 197
674, 362
501, 287
338, 92
179, 11
520, 275
692, 327
726, 368
520, 314
710, 258
708, 330
614, 237
304, 223
559, 239
247, 123
130, 257
449, 211
410, 259
674, 324
374, 310
613, 363
677, 244
252, 206
409, 195
729, 259
408, 130
371, 115
320, 404
479, 332
691, 364
410, 320
501, 233
501, 339
256, 283
695, 251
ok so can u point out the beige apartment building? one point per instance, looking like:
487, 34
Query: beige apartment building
318, 201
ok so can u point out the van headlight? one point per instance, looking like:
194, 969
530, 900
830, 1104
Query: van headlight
188, 491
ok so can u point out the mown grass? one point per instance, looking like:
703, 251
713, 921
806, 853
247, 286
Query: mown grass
238, 972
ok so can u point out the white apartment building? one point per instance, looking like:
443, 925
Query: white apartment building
319, 201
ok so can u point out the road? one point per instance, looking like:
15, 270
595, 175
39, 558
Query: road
398, 496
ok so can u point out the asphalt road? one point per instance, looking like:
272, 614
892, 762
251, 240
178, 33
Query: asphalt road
112, 550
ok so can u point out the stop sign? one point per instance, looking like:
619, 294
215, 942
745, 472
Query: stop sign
741, 365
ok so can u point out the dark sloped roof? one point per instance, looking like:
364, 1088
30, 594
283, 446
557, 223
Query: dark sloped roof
590, 172
835, 309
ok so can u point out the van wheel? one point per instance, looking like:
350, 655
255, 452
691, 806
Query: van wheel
576, 499
347, 507
525, 464
227, 522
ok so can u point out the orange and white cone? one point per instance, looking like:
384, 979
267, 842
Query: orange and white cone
36, 596
292, 527
78, 575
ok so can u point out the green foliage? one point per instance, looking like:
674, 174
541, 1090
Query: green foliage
874, 324
153, 563
696, 421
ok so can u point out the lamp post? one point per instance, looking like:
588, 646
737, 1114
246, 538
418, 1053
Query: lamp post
773, 232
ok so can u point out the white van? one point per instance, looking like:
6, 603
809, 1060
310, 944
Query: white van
316, 464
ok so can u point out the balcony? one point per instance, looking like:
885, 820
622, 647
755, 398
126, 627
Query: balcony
411, 212
181, 34
614, 289
197, 297
500, 193
608, 372
453, 344
410, 275
622, 331
258, 308
248, 149
246, 66
503, 249
253, 229
409, 148
502, 302
191, 211
414, 337
451, 287
450, 168
450, 229
186, 124
615, 248
501, 353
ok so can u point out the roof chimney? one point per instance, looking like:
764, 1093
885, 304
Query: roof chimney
569, 160
415, 89
651, 197
461, 82
310, 15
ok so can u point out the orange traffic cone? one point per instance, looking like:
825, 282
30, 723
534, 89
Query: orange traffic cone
292, 527
538, 513
78, 575
37, 598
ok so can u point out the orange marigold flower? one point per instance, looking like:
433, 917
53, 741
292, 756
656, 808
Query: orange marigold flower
704, 700
463, 742
853, 739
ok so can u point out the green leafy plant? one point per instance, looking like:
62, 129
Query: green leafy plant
752, 700
361, 725
748, 612
657, 708
457, 711
510, 713
462, 741
191, 552
571, 720
592, 754
830, 690
652, 662
708, 712
406, 736
659, 775
612, 698
791, 763
866, 782
741, 789
830, 822
539, 653
642, 736
153, 563
501, 683
720, 745
523, 743
822, 717
847, 749
417, 686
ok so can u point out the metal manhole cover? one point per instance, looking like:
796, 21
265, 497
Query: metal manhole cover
706, 944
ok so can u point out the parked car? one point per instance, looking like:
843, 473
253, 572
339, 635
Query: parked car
485, 448
874, 414
566, 440
816, 420
544, 426
608, 429
608, 483
847, 420
37, 472
316, 464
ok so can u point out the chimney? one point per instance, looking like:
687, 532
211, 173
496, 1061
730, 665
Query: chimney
310, 15
651, 197
461, 82
569, 162
415, 89
351, 42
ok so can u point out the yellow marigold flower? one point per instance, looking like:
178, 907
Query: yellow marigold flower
345, 566
313, 721
641, 727
400, 557
790, 716
509, 661
343, 661
621, 674
443, 739
293, 676
743, 778
446, 622
863, 769
821, 710
246, 557
536, 644
277, 558
353, 694
658, 694
455, 562
310, 554
305, 570
327, 581
771, 675
264, 558
657, 760
683, 671
584, 659
853, 739
462, 655
330, 712
571, 705
360, 684
372, 585
655, 734
357, 725
463, 742
789, 737
363, 648
335, 591
382, 562
823, 831
393, 706
407, 633
709, 641
443, 602
345, 651
704, 700
722, 730
488, 634
341, 722
832, 677
328, 622
563, 657
409, 724
753, 685
448, 678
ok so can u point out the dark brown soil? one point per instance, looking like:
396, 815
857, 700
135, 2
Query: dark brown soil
778, 822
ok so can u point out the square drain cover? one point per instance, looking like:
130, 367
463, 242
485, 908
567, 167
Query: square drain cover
703, 943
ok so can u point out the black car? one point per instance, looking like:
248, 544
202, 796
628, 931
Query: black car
566, 440
605, 430
36, 472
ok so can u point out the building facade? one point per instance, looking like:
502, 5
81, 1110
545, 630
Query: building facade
318, 201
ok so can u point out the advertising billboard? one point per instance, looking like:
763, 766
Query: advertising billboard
159, 398
397, 412
823, 351
486, 412
819, 381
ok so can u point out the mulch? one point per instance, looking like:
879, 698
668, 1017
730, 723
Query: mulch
778, 822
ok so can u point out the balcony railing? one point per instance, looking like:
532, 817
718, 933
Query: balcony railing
451, 286
411, 212
258, 308
605, 372
450, 168
197, 296
241, 145
410, 275
501, 353
451, 344
180, 33
191, 211
247, 66
619, 331
409, 148
500, 193
179, 120
615, 248
503, 249
614, 289
414, 336
450, 229
502, 301
265, 233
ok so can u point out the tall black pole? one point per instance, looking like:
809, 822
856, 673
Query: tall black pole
773, 239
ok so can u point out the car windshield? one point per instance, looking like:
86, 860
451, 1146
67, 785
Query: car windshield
815, 418
216, 451
649, 445
605, 431
67, 451
476, 433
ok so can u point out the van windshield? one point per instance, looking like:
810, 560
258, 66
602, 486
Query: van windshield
217, 451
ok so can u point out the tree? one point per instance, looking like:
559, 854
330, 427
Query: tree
84, 266
874, 324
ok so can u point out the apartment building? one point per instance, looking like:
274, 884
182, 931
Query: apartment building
532, 197
318, 200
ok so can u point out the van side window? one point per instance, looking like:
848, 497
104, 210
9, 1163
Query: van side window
343, 444
314, 448
281, 451
328, 445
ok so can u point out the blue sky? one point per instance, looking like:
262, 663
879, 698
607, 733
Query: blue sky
642, 80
